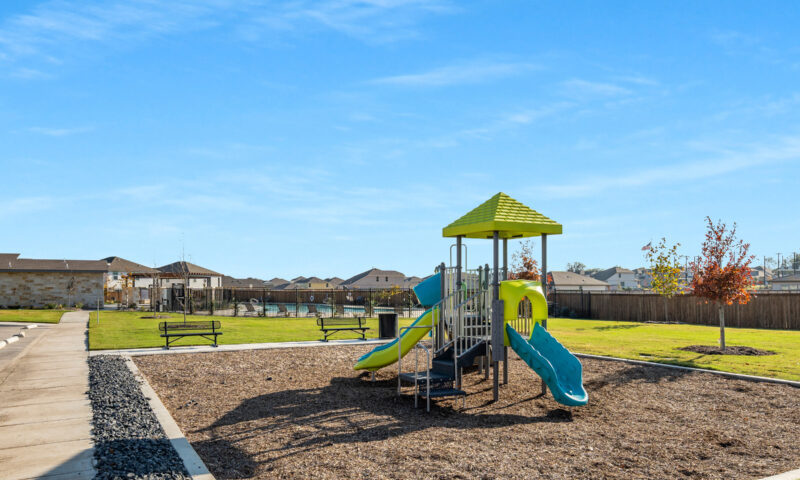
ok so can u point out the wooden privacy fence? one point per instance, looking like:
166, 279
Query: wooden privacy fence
765, 310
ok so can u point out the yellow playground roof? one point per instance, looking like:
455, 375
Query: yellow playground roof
507, 216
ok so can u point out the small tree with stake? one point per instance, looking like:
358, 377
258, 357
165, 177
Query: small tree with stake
665, 270
523, 265
722, 273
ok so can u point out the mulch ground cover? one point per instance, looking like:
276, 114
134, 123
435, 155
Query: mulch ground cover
304, 413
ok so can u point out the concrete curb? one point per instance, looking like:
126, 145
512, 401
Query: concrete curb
194, 464
17, 337
135, 352
739, 376
793, 475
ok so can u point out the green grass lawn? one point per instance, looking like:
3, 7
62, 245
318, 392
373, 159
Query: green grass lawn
130, 330
639, 341
660, 343
31, 316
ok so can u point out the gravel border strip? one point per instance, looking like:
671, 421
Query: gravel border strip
738, 376
191, 460
129, 440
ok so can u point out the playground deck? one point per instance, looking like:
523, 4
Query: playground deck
304, 413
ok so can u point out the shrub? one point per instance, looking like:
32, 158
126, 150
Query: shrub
79, 305
59, 306
133, 305
49, 306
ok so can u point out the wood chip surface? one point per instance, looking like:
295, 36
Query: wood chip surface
304, 413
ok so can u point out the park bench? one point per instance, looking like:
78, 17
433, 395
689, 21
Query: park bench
329, 326
195, 328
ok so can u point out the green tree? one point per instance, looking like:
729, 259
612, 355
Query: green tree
576, 267
665, 271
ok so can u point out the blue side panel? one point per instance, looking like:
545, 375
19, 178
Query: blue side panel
429, 291
560, 370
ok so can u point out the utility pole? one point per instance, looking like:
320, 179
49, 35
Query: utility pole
778, 272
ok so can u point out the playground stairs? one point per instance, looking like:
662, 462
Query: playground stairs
442, 374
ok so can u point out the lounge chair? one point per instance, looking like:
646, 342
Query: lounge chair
312, 310
338, 310
249, 309
282, 310
399, 311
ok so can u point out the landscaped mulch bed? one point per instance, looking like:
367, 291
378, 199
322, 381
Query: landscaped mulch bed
735, 350
304, 413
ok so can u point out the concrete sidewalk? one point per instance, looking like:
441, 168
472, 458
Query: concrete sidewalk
45, 415
174, 350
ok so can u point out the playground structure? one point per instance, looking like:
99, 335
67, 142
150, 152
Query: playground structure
474, 315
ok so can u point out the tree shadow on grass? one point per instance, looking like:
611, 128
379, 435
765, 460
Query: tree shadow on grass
610, 327
347, 411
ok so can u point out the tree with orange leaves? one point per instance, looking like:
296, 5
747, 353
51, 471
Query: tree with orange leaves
523, 265
722, 273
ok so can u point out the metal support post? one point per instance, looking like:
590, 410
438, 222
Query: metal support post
544, 290
505, 277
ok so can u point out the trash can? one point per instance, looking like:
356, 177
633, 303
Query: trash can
387, 325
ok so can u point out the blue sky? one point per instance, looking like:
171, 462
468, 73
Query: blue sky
299, 138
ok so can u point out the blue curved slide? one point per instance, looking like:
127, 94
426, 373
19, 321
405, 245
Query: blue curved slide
560, 370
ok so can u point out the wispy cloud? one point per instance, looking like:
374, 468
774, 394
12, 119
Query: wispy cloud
741, 44
51, 30
472, 72
723, 161
582, 88
59, 132
505, 122
25, 205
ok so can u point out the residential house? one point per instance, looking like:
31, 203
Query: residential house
643, 277
618, 278
28, 282
375, 278
333, 282
275, 282
760, 275
121, 280
573, 282
178, 272
411, 282
249, 282
309, 283
790, 283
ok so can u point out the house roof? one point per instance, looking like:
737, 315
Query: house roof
372, 271
181, 268
242, 282
278, 281
501, 213
298, 279
10, 262
610, 272
117, 264
562, 279
312, 280
334, 280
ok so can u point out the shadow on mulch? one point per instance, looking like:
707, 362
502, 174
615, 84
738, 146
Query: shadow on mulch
648, 374
312, 406
736, 350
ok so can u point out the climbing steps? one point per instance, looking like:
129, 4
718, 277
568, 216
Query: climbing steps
442, 375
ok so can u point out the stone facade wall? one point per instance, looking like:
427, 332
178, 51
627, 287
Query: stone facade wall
37, 289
